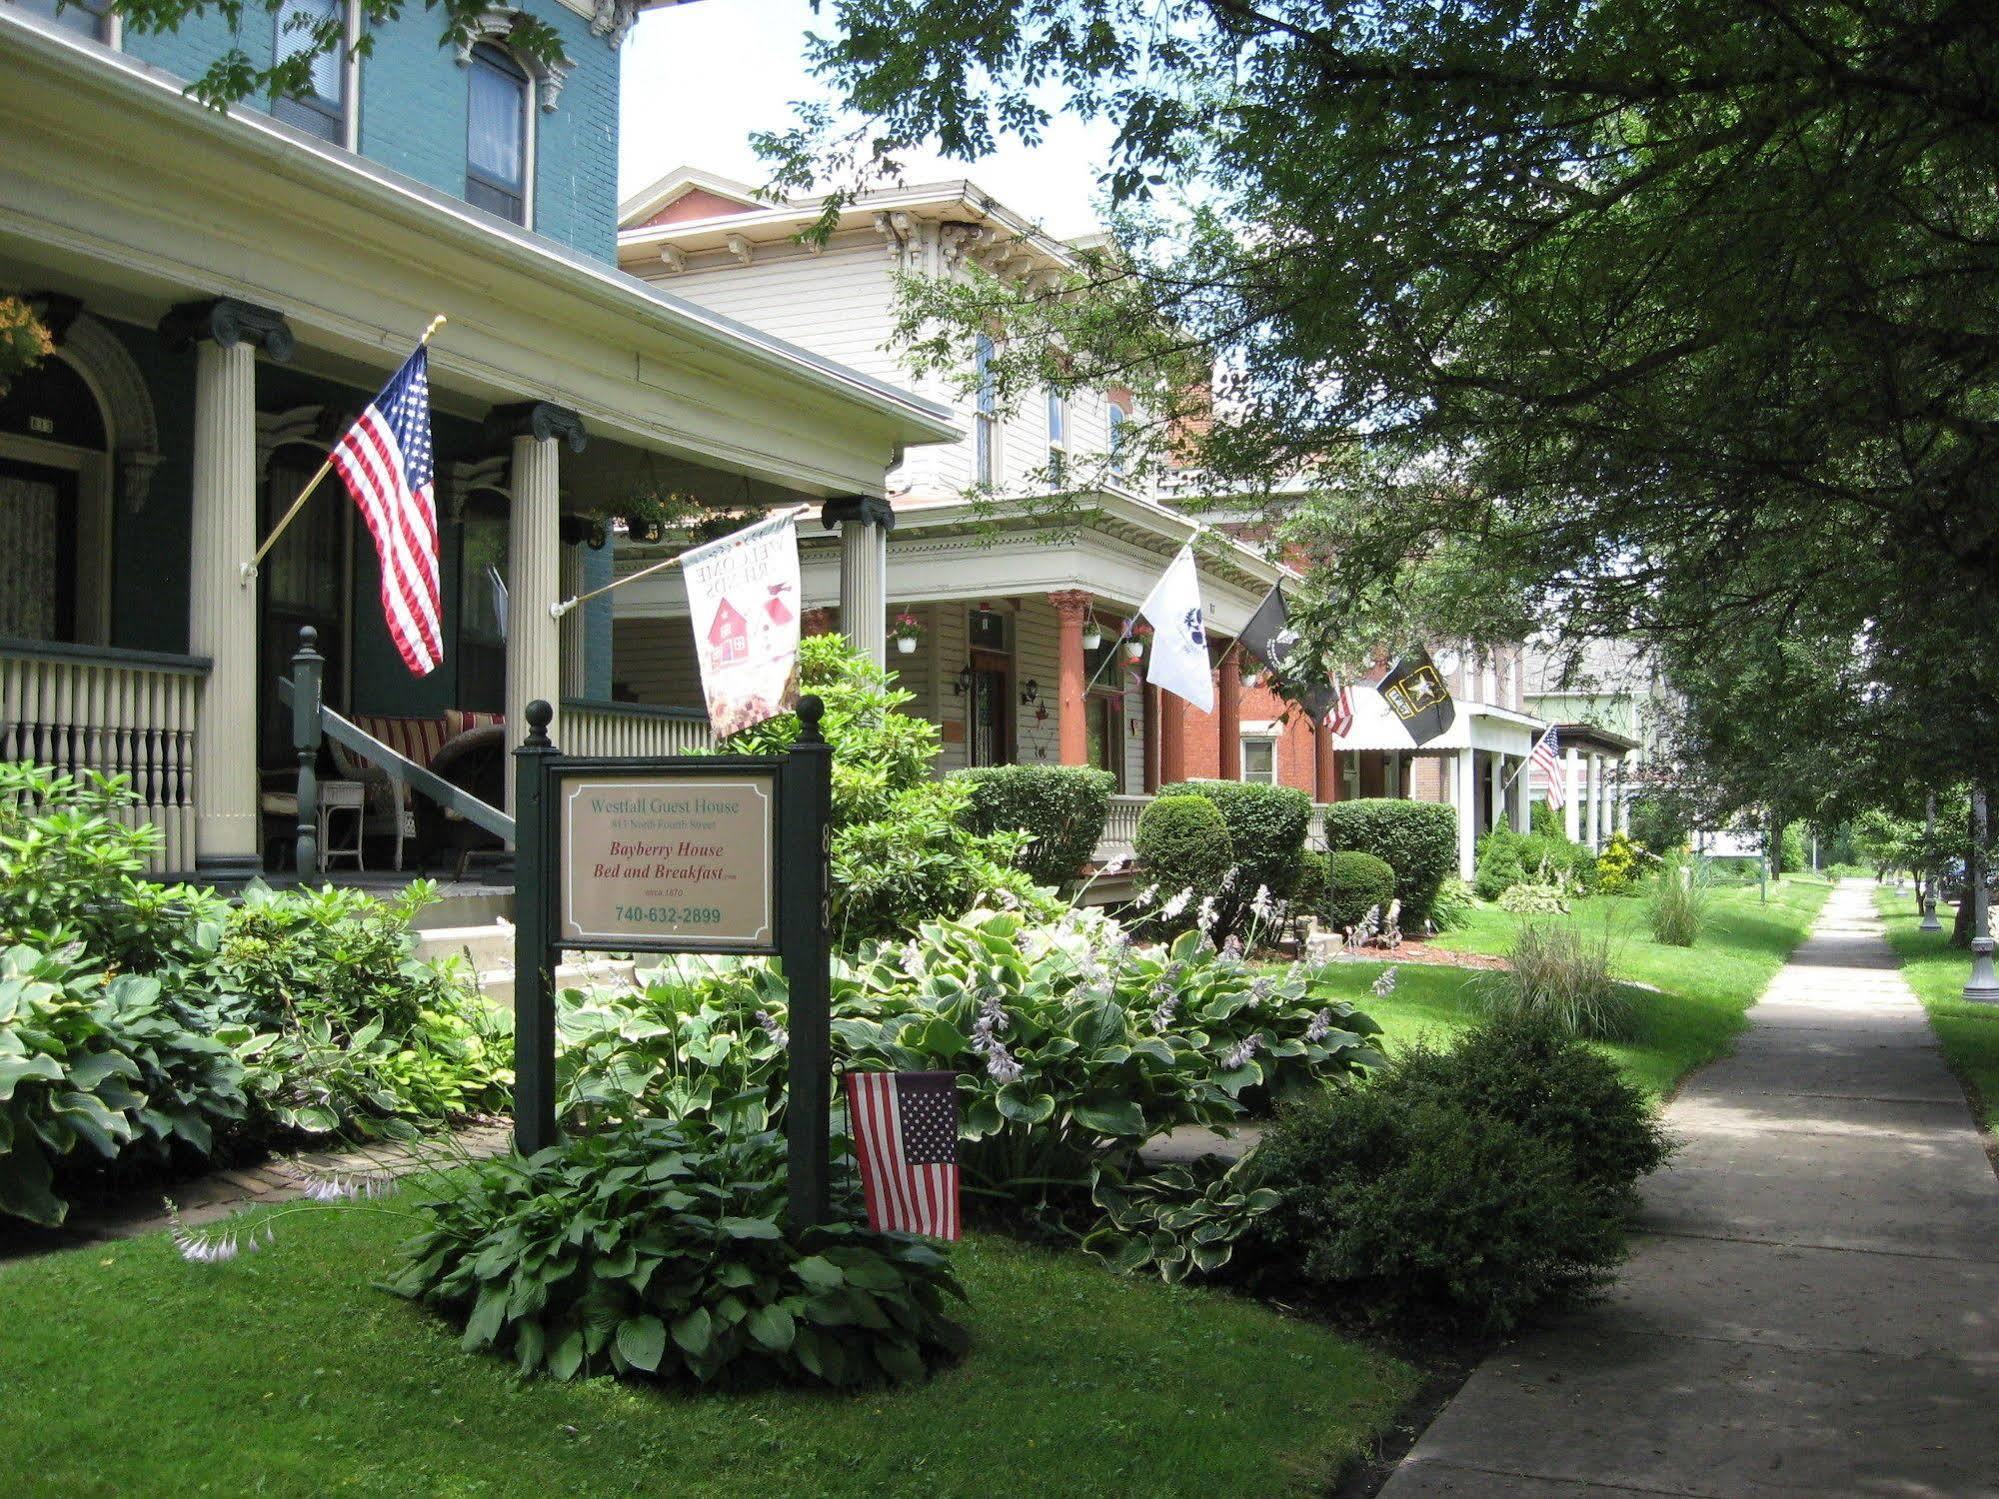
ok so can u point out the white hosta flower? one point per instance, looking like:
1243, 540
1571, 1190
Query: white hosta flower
912, 959
1001, 1065
1263, 907
768, 1023
1228, 880
1206, 917
1176, 905
1147, 896
1385, 984
1321, 1026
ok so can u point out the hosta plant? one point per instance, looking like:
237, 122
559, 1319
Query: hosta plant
1178, 1220
658, 1249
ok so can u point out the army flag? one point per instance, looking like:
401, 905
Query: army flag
1269, 637
742, 596
1414, 689
1179, 663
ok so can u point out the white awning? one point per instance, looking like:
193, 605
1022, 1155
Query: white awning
1479, 725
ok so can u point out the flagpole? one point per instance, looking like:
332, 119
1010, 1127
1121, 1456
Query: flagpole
1507, 784
249, 569
557, 610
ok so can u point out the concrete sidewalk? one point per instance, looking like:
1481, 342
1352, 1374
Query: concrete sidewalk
1813, 1305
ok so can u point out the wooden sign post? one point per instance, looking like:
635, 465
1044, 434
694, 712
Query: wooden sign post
694, 853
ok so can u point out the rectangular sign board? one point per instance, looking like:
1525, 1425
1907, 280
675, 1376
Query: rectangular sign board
662, 860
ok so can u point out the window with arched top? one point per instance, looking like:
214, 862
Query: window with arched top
499, 142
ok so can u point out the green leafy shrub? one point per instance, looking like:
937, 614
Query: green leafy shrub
1680, 896
903, 848
1533, 898
658, 1249
1507, 858
1410, 1210
1177, 1221
1062, 808
1535, 1075
1452, 907
1562, 976
1418, 840
1266, 826
1314, 871
1355, 884
1184, 845
1617, 867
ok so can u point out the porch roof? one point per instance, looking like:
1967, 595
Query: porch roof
121, 187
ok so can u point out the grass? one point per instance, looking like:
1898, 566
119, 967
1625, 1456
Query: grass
1705, 988
130, 1373
1969, 1033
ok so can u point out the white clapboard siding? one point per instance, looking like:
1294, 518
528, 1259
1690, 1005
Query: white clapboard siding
1036, 659
840, 304
655, 659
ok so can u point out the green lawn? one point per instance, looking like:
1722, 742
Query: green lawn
1706, 987
127, 1372
1936, 971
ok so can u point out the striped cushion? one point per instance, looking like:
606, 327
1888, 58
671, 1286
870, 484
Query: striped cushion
458, 720
413, 738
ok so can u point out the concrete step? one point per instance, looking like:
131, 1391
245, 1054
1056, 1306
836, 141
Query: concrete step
599, 973
486, 947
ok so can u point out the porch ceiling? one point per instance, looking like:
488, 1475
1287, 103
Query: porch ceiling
121, 190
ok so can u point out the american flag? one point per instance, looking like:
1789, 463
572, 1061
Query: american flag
1547, 758
905, 1127
1341, 718
385, 461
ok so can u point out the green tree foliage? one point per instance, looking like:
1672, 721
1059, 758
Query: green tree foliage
1063, 808
24, 342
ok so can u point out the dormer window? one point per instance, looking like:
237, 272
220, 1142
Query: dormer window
322, 109
497, 140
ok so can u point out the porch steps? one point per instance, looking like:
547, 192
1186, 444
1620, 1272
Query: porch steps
490, 951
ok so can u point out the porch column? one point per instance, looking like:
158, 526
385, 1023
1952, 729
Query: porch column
1572, 799
1495, 798
1325, 764
222, 597
1623, 800
1172, 737
1153, 737
534, 545
569, 583
1606, 801
1594, 797
863, 522
1228, 718
1072, 608
1465, 795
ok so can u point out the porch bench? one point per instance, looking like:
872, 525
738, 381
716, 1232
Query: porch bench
391, 803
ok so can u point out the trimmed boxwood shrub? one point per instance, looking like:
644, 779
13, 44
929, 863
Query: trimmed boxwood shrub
1266, 826
1418, 840
1356, 883
1184, 845
1314, 870
1063, 807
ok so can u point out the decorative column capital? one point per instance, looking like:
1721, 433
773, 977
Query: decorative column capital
1072, 605
862, 509
544, 421
227, 323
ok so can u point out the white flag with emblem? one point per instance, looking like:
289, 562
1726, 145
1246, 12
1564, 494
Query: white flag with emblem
1179, 662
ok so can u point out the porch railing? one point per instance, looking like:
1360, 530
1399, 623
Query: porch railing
131, 713
590, 727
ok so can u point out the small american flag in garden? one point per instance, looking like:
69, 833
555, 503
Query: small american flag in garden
1547, 758
905, 1127
385, 461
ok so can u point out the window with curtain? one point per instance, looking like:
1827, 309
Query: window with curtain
496, 135
985, 423
322, 109
1058, 434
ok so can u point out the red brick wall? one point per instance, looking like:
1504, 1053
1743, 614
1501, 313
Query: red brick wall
698, 203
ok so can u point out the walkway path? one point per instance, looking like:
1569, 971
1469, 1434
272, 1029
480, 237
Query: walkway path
1813, 1306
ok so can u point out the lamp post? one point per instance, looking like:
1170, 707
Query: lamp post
1983, 985
1930, 922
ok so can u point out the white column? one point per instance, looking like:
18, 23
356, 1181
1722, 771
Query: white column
1495, 799
1595, 797
222, 600
1607, 797
1572, 801
1522, 805
863, 522
534, 547
1623, 799
1466, 797
575, 669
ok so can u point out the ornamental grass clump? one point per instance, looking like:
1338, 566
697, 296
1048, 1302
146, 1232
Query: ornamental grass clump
1680, 896
1561, 974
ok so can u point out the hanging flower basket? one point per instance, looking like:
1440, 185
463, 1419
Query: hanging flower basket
1093, 635
1134, 643
905, 630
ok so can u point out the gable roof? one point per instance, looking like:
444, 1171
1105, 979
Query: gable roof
719, 194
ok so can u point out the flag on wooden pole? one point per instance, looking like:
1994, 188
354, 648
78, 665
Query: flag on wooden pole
905, 1129
385, 460
1179, 663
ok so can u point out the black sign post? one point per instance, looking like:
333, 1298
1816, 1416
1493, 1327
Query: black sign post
782, 803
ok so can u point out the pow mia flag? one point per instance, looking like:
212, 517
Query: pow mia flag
1415, 690
1269, 637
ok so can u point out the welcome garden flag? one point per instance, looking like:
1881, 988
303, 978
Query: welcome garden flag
1179, 663
742, 597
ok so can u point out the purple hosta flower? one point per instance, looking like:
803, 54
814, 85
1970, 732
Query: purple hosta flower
991, 1019
1008, 901
772, 1029
1384, 985
1239, 1054
1206, 917
912, 959
1228, 880
1321, 1026
1233, 947
1000, 1064
1261, 990
1166, 1005
212, 1249
1176, 905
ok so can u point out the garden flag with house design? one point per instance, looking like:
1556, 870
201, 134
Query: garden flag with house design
742, 596
1179, 663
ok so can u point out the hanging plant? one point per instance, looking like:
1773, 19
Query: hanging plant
905, 630
24, 342
1093, 635
1134, 642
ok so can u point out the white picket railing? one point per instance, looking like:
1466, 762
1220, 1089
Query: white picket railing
595, 728
131, 713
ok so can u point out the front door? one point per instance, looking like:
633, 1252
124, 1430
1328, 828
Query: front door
988, 738
37, 552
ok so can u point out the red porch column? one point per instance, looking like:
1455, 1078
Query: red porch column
1326, 764
1072, 607
1228, 717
